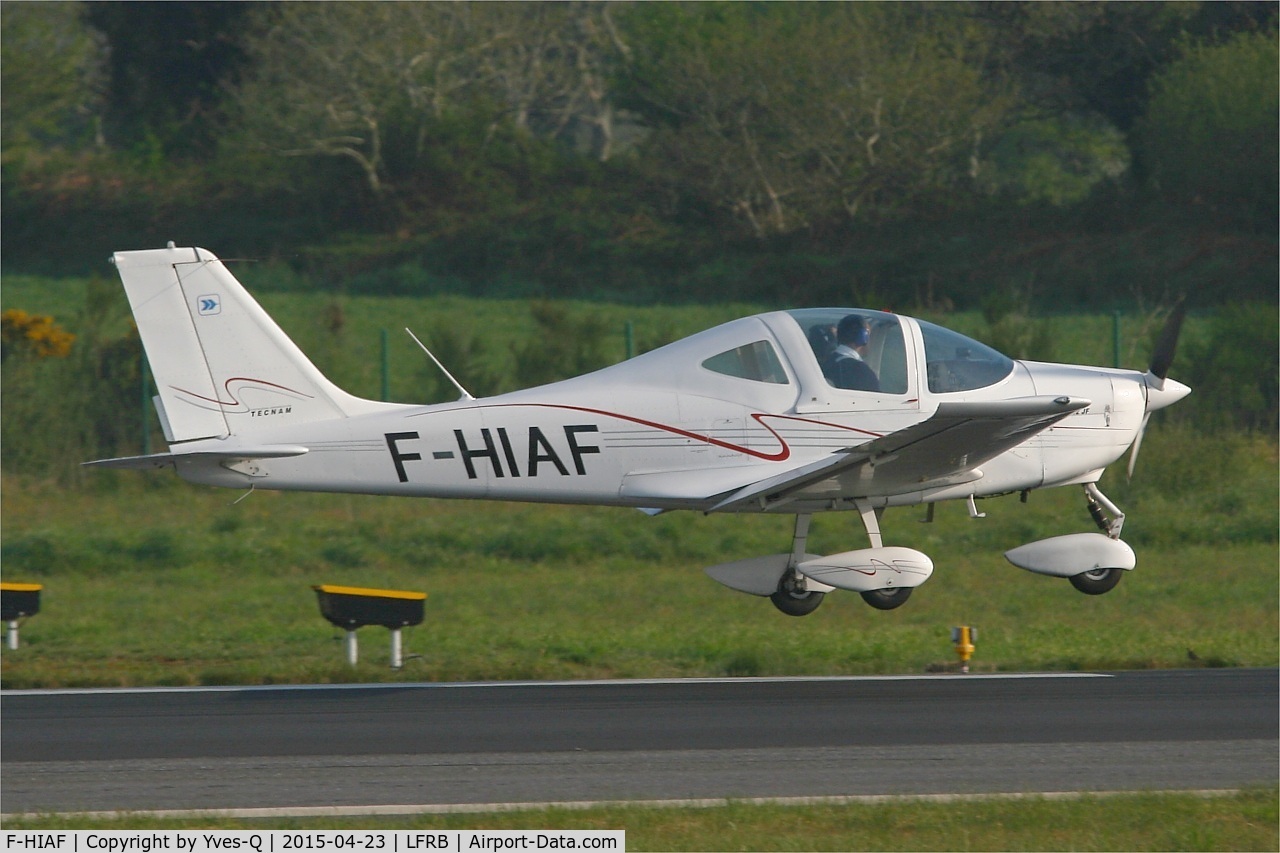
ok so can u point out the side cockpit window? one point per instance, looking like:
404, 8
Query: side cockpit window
756, 361
857, 350
957, 363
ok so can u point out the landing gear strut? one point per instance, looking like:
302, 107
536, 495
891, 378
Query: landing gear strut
793, 595
1099, 506
890, 597
797, 582
1110, 520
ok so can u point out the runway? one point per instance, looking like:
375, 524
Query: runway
434, 746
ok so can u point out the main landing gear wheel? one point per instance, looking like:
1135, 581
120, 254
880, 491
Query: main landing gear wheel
1097, 581
888, 599
792, 600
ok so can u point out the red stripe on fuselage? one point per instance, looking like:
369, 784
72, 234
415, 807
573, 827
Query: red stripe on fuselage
779, 456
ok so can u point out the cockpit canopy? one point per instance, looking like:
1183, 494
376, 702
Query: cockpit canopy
953, 362
852, 349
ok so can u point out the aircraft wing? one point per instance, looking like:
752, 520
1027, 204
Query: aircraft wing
945, 449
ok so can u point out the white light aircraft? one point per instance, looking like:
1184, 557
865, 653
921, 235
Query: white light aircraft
755, 415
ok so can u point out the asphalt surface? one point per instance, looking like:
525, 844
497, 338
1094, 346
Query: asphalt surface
366, 746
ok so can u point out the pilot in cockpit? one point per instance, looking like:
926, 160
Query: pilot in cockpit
845, 368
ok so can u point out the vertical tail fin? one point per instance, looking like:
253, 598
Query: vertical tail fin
221, 364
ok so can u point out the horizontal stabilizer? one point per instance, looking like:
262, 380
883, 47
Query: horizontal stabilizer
165, 460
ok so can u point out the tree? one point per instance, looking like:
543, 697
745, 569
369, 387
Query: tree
52, 65
168, 65
1209, 131
372, 82
326, 78
1235, 369
1085, 59
551, 65
804, 116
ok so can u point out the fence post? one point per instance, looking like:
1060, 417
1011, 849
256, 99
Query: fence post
1115, 337
386, 368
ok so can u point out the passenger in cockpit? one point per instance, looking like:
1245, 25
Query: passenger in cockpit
822, 338
846, 368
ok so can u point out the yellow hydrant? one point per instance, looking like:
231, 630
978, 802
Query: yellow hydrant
964, 638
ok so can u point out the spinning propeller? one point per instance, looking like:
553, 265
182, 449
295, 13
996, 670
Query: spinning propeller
1161, 391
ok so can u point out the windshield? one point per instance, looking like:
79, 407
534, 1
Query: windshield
957, 363
857, 349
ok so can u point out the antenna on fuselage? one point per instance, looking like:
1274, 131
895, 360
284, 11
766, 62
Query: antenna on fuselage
466, 395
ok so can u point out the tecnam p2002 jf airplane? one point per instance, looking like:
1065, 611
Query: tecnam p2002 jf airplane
795, 412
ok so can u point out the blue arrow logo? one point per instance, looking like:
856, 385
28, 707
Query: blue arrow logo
209, 304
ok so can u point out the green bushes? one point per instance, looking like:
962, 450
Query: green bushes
561, 346
85, 404
1234, 370
1209, 132
1198, 488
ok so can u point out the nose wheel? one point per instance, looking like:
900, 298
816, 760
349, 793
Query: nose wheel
887, 599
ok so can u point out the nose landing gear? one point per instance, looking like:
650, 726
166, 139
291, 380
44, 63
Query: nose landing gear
1094, 563
1098, 581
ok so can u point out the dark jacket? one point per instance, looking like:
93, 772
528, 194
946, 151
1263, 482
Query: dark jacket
847, 371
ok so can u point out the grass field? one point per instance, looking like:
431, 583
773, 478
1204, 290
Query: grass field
151, 581
1243, 821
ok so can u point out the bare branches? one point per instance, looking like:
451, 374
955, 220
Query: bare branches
836, 110
340, 79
